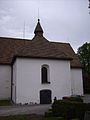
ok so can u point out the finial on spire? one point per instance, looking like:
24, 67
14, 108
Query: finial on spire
38, 20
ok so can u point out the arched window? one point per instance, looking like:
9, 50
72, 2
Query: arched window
45, 74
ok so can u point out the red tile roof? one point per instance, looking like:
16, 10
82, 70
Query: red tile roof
36, 48
41, 48
8, 48
66, 47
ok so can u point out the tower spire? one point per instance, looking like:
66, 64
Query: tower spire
38, 30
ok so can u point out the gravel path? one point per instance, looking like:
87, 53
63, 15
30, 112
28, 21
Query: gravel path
28, 109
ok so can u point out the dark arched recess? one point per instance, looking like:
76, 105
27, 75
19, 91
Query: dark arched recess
45, 96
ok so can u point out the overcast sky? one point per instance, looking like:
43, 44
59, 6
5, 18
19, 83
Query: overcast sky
62, 20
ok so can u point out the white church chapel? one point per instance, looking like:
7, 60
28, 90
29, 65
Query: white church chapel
38, 70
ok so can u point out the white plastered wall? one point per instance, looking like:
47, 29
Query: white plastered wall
14, 68
77, 82
28, 79
5, 82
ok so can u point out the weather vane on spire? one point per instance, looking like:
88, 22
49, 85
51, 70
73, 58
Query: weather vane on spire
38, 15
24, 30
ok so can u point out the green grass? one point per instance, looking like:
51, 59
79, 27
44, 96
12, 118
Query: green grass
22, 117
5, 102
29, 117
53, 118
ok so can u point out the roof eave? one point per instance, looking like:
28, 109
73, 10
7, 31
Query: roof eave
38, 57
77, 67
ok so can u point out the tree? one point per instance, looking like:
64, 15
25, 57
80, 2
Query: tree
84, 54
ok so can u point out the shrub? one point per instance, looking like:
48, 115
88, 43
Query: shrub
5, 102
73, 98
69, 109
53, 118
48, 114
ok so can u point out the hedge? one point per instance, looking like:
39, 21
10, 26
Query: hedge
73, 98
69, 109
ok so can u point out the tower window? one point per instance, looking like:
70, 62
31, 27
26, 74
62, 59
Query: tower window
45, 74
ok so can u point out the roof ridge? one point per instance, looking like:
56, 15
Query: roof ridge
4, 38
59, 42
